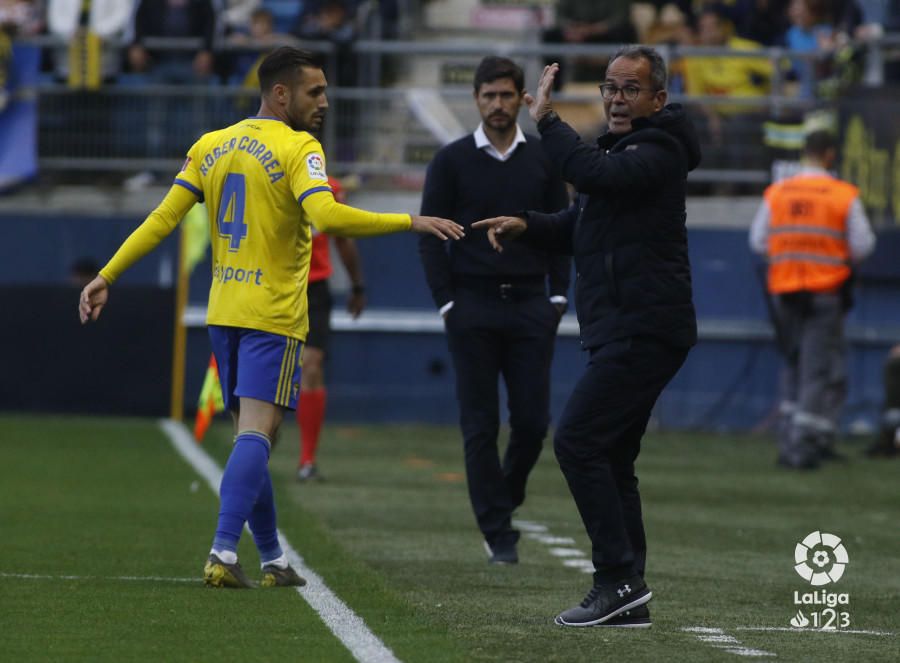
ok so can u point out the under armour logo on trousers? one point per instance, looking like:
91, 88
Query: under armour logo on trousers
625, 590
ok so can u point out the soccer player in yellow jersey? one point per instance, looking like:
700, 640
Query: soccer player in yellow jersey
264, 183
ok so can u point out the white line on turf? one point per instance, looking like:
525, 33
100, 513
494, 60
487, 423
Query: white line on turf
566, 552
41, 576
585, 565
717, 638
813, 630
346, 625
571, 557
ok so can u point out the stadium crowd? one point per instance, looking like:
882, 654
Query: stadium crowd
233, 33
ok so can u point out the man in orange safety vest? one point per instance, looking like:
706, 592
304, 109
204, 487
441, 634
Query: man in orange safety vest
812, 228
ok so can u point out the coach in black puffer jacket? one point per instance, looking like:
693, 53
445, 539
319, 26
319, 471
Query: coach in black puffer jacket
633, 297
626, 228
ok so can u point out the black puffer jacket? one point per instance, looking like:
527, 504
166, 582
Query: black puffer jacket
626, 228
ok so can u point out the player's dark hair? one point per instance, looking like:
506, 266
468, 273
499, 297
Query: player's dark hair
283, 65
653, 58
493, 68
819, 142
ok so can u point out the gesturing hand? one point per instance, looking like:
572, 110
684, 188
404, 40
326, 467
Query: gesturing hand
355, 304
501, 228
443, 228
540, 104
93, 299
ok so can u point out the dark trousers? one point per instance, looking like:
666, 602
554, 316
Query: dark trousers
814, 382
598, 440
510, 333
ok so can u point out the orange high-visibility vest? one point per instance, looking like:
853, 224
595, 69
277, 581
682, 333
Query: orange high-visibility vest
808, 247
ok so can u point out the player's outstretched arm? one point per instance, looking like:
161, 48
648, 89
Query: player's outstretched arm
146, 237
502, 228
93, 299
443, 228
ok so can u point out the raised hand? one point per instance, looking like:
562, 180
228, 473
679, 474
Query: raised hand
443, 228
539, 105
501, 228
93, 299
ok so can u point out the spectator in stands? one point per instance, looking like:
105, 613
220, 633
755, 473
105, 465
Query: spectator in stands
17, 18
20, 18
579, 22
238, 14
809, 32
812, 228
846, 18
728, 126
334, 21
888, 442
179, 19
666, 24
89, 30
762, 21
259, 37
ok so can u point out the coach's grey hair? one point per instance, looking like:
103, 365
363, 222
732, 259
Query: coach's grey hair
651, 55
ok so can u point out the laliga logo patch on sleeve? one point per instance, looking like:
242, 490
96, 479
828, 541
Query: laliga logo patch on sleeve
186, 163
315, 164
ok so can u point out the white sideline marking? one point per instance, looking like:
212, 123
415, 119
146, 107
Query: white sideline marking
571, 557
719, 639
585, 565
552, 540
528, 526
813, 630
41, 576
346, 625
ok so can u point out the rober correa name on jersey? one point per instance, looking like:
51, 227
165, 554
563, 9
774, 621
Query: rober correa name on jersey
255, 148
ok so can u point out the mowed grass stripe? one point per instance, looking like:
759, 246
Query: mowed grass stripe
411, 633
722, 523
392, 532
105, 498
338, 617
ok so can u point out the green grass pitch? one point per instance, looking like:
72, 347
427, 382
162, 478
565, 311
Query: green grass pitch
105, 529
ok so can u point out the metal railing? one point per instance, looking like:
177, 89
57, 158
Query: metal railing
371, 129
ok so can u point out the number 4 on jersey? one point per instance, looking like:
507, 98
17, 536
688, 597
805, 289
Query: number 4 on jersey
231, 210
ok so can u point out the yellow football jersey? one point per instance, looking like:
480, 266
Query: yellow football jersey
259, 178
253, 176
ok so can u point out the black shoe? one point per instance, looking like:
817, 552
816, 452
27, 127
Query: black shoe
605, 602
638, 617
274, 576
309, 472
502, 552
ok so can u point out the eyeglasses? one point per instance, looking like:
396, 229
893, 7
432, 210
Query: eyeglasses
609, 91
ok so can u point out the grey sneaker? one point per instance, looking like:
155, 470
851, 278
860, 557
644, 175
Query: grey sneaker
604, 602
309, 472
217, 573
273, 576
